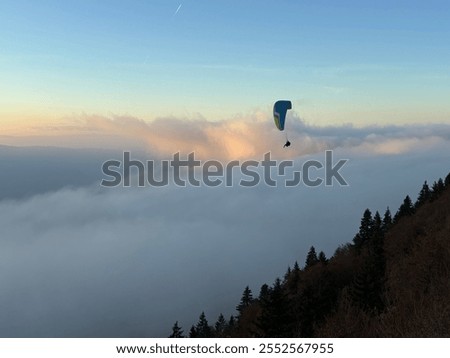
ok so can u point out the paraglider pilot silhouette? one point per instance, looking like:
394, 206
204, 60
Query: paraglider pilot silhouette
280, 109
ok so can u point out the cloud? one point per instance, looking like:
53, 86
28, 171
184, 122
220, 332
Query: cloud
242, 137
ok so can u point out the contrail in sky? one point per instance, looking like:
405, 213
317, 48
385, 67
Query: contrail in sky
178, 9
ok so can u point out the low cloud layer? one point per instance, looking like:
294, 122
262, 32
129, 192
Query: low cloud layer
130, 262
239, 138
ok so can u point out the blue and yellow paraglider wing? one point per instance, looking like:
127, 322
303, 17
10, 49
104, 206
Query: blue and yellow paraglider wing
280, 109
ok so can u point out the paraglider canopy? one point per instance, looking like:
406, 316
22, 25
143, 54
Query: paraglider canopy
280, 109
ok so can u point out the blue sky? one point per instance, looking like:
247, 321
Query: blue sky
355, 62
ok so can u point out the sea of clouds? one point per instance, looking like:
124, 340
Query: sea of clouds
79, 260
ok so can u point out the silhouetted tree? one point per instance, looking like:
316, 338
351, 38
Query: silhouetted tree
424, 195
447, 180
387, 220
343, 249
264, 292
365, 230
287, 274
246, 300
231, 322
275, 316
368, 284
230, 327
311, 258
193, 332
377, 225
177, 332
293, 283
202, 328
322, 258
440, 185
406, 209
436, 189
221, 325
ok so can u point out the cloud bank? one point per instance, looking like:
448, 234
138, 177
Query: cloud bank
129, 262
238, 138
93, 262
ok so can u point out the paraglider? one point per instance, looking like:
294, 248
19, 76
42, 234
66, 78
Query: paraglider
280, 109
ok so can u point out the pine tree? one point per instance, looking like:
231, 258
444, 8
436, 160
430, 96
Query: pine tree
437, 188
246, 300
387, 220
424, 195
293, 283
311, 258
322, 258
287, 274
177, 332
447, 180
264, 292
275, 317
441, 184
377, 226
406, 209
202, 328
368, 284
221, 325
365, 230
193, 332
231, 322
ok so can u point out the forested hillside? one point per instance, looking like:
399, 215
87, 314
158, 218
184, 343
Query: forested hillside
392, 280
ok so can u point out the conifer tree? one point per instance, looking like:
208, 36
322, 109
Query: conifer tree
246, 300
275, 316
387, 220
177, 332
424, 195
193, 332
311, 258
322, 258
231, 322
447, 180
202, 328
365, 230
437, 189
377, 226
406, 209
440, 185
293, 283
221, 325
368, 284
264, 292
287, 274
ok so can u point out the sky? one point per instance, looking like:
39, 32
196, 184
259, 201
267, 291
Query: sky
83, 81
354, 62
